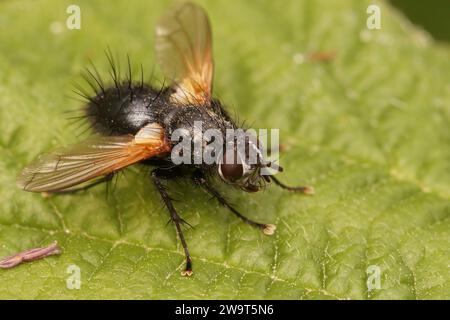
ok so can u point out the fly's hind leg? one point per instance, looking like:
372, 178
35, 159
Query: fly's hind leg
157, 176
201, 180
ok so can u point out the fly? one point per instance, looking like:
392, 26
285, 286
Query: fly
135, 123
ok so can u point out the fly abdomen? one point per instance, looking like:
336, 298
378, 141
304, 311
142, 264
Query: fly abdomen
125, 108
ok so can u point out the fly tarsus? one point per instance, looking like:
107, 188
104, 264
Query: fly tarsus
302, 189
175, 218
201, 180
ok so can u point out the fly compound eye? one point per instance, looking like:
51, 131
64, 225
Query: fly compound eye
231, 172
231, 168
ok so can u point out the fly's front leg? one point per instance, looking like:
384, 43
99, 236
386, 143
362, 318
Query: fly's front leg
302, 189
157, 176
201, 180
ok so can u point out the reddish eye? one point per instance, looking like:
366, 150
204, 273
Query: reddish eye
231, 172
231, 169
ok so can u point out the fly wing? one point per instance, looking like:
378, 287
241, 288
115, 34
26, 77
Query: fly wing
184, 50
92, 158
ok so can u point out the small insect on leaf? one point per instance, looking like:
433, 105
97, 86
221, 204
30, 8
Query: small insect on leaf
322, 56
138, 124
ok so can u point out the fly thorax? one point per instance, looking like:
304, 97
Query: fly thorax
197, 136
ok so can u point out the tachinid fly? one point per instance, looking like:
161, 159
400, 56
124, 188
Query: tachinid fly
135, 123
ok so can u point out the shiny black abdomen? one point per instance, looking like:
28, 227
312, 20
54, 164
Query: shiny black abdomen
125, 109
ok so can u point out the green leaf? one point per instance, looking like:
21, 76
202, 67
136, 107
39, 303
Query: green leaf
369, 129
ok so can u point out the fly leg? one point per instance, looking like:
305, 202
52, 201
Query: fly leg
301, 189
157, 176
201, 180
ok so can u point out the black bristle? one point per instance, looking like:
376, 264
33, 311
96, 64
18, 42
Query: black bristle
123, 107
142, 77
